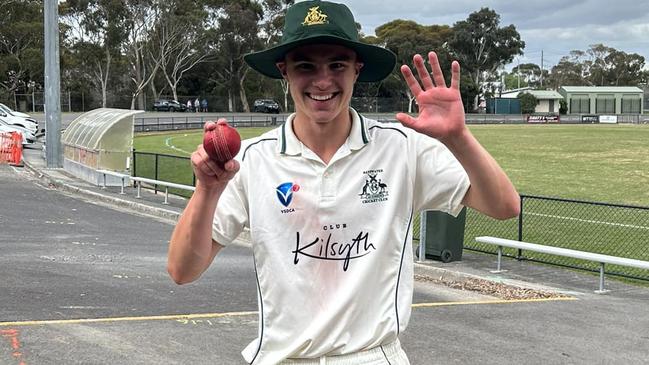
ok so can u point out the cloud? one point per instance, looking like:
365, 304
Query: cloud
554, 26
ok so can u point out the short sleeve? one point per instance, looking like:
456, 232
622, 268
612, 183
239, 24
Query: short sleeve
231, 215
440, 181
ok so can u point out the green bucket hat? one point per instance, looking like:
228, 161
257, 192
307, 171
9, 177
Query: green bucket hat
313, 22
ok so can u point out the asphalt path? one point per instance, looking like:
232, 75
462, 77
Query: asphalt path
83, 283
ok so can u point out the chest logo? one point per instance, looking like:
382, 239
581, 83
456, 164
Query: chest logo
285, 192
374, 190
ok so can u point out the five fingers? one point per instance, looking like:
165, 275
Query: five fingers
428, 82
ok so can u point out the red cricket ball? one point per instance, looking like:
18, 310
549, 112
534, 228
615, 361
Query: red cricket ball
222, 143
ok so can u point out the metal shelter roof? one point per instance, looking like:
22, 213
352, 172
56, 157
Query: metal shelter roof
88, 129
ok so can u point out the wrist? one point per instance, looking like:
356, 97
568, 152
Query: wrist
458, 140
209, 190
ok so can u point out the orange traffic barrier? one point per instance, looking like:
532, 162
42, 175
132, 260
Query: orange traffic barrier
11, 148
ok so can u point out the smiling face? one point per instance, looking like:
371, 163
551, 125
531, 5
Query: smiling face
321, 79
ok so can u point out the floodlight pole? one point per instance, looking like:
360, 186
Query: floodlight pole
52, 86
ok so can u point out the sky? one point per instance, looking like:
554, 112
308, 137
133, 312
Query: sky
551, 27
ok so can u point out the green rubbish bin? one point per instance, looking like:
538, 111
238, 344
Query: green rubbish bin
444, 235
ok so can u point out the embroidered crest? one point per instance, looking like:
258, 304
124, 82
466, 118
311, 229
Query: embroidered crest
315, 16
374, 190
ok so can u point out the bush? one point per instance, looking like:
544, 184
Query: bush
528, 103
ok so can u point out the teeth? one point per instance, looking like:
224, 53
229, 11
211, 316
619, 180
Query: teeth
322, 97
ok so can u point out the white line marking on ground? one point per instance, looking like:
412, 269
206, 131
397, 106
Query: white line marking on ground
588, 221
168, 144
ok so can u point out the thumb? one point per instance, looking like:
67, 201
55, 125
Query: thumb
406, 120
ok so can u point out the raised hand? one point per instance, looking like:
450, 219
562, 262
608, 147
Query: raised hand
441, 112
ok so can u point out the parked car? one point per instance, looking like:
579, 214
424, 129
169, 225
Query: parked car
8, 110
30, 125
166, 105
28, 137
265, 106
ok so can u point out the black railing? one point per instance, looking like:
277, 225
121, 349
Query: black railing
180, 122
169, 168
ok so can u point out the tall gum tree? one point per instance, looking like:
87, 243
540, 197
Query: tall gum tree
482, 46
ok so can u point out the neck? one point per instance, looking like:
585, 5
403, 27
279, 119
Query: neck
324, 139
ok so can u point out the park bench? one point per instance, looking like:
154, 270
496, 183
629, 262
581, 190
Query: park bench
589, 256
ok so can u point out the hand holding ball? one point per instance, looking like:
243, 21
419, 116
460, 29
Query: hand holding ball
222, 142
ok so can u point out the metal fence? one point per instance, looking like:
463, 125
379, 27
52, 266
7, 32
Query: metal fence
170, 123
169, 168
610, 229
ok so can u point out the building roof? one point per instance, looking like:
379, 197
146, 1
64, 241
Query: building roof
545, 94
539, 94
601, 89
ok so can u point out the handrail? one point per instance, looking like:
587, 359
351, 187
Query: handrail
138, 183
583, 255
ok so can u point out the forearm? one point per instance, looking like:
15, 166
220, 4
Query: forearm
191, 249
491, 191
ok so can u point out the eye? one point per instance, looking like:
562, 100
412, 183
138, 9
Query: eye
338, 66
303, 66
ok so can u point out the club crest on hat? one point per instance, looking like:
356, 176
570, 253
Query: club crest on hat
315, 16
334, 24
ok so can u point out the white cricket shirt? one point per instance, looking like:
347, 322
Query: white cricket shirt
332, 243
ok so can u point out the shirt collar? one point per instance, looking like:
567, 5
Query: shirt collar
289, 144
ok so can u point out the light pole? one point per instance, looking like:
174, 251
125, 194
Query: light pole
52, 85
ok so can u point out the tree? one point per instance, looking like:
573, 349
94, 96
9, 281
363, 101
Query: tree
21, 45
272, 27
569, 71
481, 46
406, 38
180, 39
530, 73
98, 30
236, 35
136, 47
598, 66
528, 103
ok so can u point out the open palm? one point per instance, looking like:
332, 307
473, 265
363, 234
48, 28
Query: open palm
441, 112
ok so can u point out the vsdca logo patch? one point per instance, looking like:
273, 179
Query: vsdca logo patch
285, 192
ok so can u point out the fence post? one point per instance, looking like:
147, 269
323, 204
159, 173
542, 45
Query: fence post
155, 172
519, 256
134, 173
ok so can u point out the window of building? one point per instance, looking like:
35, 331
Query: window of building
580, 106
605, 105
631, 105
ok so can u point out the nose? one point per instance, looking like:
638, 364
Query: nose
322, 78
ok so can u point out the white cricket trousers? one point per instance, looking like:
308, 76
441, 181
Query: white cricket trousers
390, 354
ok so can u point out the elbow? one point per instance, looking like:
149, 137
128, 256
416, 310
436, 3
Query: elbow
510, 208
178, 276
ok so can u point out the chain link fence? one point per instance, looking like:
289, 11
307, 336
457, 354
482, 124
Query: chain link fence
609, 229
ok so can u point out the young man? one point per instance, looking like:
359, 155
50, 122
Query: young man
330, 196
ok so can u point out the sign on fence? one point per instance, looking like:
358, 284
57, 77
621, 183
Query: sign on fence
543, 118
611, 119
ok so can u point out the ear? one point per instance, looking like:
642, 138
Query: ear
357, 68
281, 66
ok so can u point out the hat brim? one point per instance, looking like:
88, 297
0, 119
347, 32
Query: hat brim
378, 62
